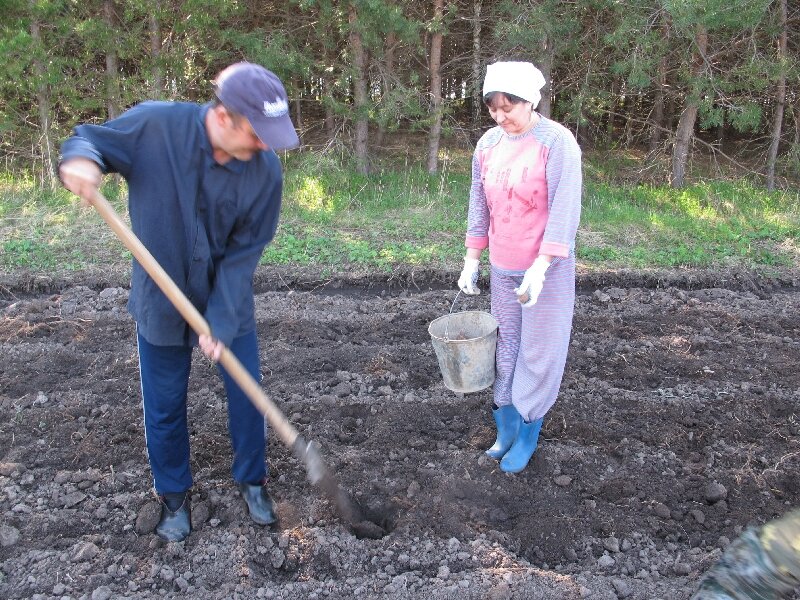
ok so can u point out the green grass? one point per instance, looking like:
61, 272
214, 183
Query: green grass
338, 220
705, 224
48, 231
335, 217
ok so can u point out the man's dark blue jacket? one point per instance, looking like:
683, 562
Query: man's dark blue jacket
206, 224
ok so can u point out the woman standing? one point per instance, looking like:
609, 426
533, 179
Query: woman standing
525, 203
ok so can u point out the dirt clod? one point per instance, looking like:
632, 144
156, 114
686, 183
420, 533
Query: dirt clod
147, 518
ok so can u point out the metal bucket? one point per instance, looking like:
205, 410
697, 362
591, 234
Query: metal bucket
465, 344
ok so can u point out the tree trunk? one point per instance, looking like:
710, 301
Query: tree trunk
298, 110
330, 115
327, 96
780, 100
796, 127
796, 117
112, 63
685, 129
43, 101
634, 106
477, 71
657, 118
670, 109
389, 59
719, 131
157, 76
615, 103
549, 56
360, 92
436, 87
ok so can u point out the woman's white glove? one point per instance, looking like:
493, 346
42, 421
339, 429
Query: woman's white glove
531, 286
469, 276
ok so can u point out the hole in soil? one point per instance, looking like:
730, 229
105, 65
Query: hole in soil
375, 519
372, 520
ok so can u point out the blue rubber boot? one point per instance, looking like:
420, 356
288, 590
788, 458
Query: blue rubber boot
508, 420
519, 455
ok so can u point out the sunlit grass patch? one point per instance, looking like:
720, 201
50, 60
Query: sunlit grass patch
297, 244
50, 231
703, 224
311, 196
401, 214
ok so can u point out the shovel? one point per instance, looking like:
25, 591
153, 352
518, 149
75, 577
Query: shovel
306, 452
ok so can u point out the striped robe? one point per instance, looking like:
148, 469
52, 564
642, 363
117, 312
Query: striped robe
525, 200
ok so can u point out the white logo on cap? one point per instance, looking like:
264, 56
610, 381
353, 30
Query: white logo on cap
276, 109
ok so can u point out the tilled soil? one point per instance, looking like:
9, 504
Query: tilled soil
676, 428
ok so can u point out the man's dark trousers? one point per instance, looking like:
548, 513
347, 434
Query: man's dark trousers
164, 374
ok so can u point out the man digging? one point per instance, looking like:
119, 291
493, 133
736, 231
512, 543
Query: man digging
205, 189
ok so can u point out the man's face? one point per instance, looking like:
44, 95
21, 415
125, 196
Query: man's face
237, 138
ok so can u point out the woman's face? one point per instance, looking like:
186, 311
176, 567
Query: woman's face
513, 118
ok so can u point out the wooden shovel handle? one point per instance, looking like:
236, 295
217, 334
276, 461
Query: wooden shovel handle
258, 397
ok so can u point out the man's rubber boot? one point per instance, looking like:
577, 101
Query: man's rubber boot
175, 525
519, 455
259, 503
508, 421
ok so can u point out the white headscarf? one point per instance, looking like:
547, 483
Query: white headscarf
521, 79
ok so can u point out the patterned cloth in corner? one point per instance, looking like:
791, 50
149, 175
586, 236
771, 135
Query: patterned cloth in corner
762, 564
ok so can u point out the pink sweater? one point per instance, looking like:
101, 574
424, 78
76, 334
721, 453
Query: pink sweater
525, 198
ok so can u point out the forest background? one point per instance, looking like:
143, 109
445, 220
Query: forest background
661, 95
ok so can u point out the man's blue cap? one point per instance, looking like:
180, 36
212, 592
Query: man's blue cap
259, 96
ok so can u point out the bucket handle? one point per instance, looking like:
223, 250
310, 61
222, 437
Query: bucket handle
447, 323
